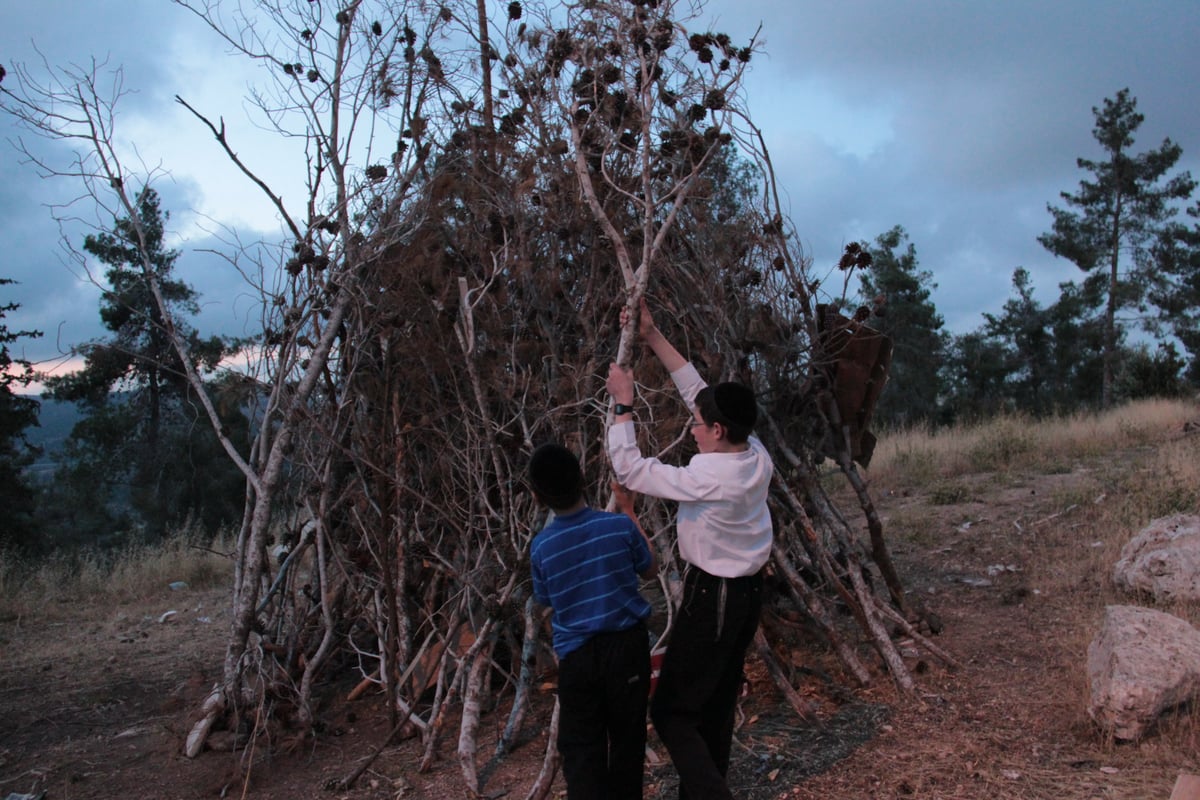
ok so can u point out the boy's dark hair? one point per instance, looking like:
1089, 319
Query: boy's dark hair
555, 476
731, 404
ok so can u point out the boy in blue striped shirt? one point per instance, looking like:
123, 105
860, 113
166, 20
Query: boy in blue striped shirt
585, 566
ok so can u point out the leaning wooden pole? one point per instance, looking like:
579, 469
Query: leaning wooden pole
545, 779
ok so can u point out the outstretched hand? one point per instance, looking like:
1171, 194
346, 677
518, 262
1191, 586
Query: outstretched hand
646, 327
624, 499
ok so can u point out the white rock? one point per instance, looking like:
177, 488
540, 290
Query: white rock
1163, 560
1142, 663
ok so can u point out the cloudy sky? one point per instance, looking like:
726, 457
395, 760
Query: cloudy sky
957, 119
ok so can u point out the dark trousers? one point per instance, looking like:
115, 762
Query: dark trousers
602, 690
696, 699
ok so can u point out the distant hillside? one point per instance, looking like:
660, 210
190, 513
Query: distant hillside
55, 421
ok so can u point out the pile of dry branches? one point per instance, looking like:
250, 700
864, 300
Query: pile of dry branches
486, 195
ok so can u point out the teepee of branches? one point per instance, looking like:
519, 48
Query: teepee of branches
485, 194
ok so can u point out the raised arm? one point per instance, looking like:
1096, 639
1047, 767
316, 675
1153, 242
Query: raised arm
670, 357
624, 499
620, 379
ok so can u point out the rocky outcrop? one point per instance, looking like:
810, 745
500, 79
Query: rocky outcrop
1142, 663
1163, 560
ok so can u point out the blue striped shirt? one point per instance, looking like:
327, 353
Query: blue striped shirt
585, 566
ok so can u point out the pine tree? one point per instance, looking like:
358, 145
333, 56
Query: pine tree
17, 413
1177, 294
975, 377
1121, 212
915, 327
1078, 357
139, 445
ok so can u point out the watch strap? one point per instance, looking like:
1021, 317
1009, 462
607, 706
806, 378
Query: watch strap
621, 408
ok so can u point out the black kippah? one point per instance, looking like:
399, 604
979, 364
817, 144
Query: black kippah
736, 403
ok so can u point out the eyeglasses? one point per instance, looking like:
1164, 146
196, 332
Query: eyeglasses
697, 422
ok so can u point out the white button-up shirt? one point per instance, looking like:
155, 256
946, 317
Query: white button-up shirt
723, 523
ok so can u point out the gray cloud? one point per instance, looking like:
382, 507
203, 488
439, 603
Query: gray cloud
978, 112
958, 120
55, 292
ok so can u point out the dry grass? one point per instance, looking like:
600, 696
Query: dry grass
107, 578
917, 458
1054, 502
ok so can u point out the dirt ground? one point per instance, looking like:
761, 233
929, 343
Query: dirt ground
95, 701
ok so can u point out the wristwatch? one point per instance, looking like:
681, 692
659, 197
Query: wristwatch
621, 408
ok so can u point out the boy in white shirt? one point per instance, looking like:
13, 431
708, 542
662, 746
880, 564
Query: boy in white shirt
725, 534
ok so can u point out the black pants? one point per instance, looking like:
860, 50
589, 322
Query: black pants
602, 690
694, 704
